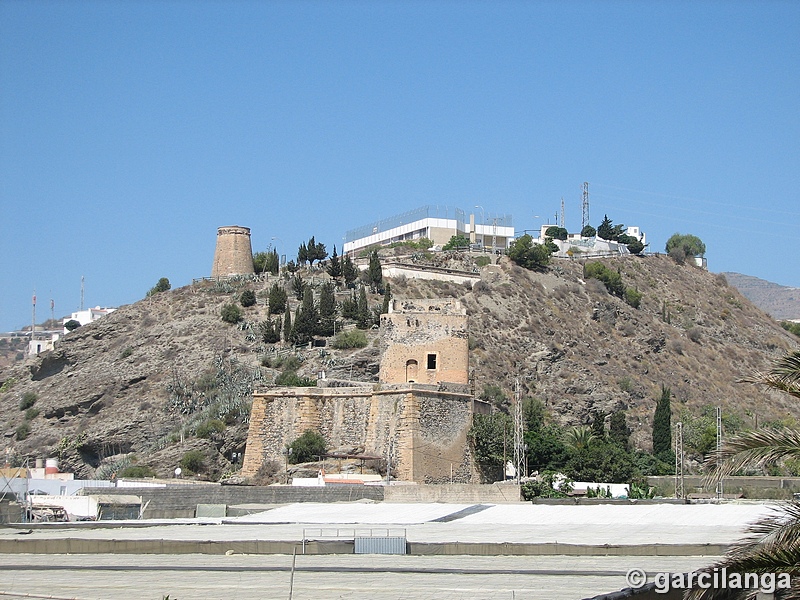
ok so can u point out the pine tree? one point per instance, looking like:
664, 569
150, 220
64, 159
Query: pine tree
364, 318
662, 425
302, 254
599, 424
349, 271
335, 266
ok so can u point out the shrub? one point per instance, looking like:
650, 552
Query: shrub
354, 338
231, 313
611, 279
308, 447
137, 472
248, 298
28, 399
633, 297
71, 325
127, 352
208, 428
482, 261
162, 286
31, 414
193, 462
292, 379
23, 431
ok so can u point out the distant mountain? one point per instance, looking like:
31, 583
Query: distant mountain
779, 301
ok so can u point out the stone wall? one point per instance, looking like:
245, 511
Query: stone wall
233, 254
424, 341
421, 428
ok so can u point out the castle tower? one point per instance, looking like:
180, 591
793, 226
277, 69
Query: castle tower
424, 341
234, 254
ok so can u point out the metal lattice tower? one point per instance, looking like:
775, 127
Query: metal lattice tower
585, 215
719, 448
680, 491
519, 449
561, 224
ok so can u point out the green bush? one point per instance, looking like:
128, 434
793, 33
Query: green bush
633, 297
248, 298
231, 314
71, 325
611, 279
162, 286
23, 431
28, 399
292, 379
208, 428
482, 261
308, 447
354, 338
193, 462
31, 414
137, 472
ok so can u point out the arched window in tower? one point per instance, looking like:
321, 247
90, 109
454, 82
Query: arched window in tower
411, 371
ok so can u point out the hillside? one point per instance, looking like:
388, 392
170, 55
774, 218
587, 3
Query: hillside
780, 301
137, 384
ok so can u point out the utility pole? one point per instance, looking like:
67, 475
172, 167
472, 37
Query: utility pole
719, 449
585, 216
680, 491
519, 450
33, 318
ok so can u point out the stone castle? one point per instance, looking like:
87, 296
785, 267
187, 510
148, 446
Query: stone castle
417, 416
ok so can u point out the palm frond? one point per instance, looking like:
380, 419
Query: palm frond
753, 448
783, 376
771, 546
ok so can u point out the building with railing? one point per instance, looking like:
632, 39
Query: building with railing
436, 223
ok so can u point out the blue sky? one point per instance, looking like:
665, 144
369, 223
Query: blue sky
130, 131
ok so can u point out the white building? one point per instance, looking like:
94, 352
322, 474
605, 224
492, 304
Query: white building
576, 245
436, 223
84, 317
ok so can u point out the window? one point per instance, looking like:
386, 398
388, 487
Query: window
431, 361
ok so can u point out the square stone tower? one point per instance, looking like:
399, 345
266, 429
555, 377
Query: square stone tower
425, 341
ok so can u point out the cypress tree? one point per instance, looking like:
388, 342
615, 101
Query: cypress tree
374, 271
287, 326
277, 299
662, 425
387, 296
363, 319
306, 322
327, 310
618, 431
349, 271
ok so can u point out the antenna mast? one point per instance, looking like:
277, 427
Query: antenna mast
719, 449
585, 217
561, 224
33, 317
519, 449
82, 292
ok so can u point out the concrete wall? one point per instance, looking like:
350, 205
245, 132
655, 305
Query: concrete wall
233, 254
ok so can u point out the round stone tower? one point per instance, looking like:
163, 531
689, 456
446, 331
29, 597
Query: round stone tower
234, 254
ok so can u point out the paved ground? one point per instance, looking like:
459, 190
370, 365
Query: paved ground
198, 577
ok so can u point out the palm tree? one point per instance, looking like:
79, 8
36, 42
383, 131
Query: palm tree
773, 542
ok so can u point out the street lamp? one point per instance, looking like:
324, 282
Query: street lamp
483, 222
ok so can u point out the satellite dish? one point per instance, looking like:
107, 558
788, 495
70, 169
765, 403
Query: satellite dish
178, 472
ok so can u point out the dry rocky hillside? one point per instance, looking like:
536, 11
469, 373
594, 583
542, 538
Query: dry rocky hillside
142, 384
780, 301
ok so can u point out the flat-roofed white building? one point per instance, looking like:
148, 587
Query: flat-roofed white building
436, 223
84, 317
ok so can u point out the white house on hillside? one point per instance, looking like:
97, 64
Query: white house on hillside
87, 316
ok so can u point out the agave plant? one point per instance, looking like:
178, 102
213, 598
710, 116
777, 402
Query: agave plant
772, 545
